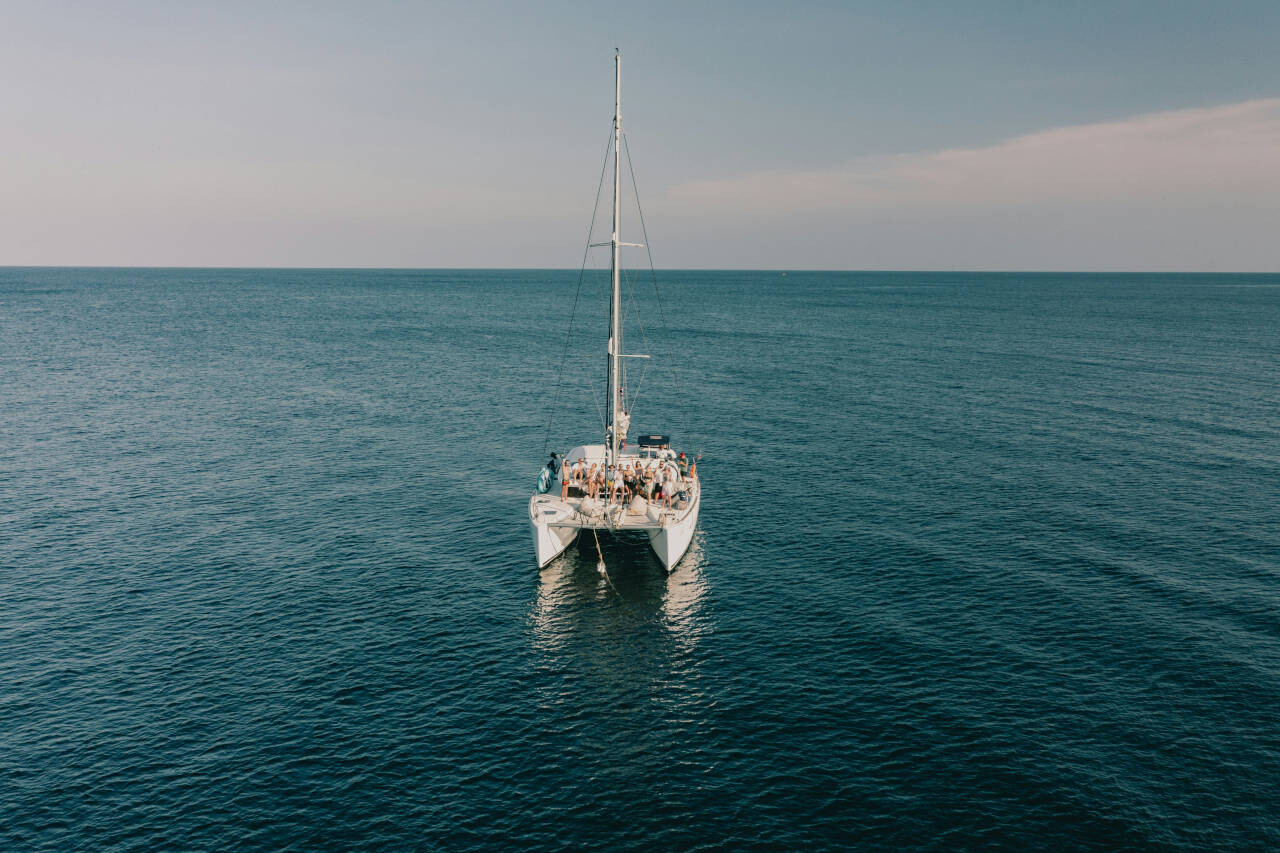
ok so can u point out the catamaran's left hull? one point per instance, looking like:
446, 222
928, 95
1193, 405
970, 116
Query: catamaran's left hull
551, 542
549, 538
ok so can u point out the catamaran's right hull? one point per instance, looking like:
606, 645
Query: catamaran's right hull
672, 541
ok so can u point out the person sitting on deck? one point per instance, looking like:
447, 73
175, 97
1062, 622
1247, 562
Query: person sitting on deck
680, 499
617, 489
577, 486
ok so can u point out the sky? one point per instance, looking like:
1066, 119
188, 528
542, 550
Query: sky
909, 135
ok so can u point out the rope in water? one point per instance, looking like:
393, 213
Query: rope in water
600, 565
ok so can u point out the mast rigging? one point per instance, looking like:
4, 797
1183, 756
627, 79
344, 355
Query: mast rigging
614, 386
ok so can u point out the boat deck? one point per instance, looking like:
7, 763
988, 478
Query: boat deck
557, 512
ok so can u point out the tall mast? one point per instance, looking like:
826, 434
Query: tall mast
615, 302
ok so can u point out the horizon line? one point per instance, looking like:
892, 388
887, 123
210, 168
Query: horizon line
654, 269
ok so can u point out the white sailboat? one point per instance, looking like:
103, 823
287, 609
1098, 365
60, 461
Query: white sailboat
569, 499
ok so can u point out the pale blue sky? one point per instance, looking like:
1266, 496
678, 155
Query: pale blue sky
988, 135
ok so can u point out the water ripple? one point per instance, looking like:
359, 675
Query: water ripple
985, 561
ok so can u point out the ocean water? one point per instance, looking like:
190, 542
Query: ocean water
985, 561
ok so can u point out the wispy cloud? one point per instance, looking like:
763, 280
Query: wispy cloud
1216, 155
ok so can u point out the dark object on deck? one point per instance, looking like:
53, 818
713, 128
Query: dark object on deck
653, 440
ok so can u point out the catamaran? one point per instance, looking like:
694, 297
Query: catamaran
641, 489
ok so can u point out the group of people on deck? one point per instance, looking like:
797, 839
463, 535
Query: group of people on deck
663, 482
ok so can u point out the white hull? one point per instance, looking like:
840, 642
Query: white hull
551, 542
556, 523
672, 541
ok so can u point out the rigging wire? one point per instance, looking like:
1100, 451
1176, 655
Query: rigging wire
582, 271
684, 414
644, 339
595, 398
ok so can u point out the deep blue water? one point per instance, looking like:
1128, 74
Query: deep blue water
985, 561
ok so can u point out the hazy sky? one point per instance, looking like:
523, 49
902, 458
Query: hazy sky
905, 135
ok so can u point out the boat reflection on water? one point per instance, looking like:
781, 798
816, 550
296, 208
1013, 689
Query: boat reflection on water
636, 615
620, 665
683, 604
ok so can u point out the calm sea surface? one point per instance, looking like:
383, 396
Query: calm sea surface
985, 561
